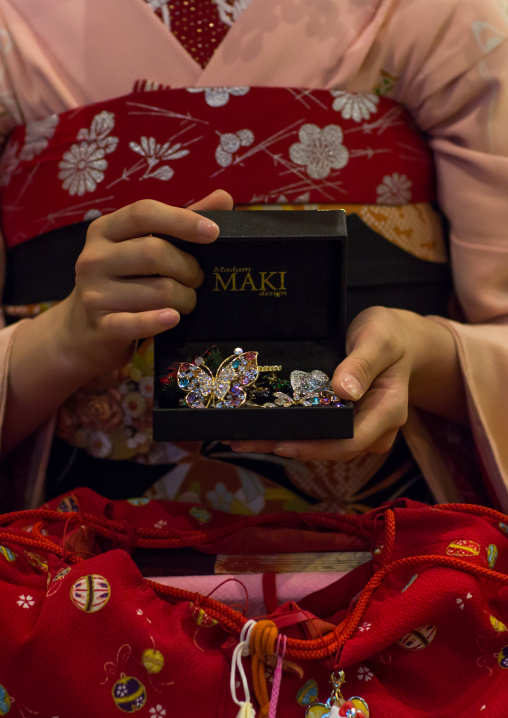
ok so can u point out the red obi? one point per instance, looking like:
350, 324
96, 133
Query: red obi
263, 145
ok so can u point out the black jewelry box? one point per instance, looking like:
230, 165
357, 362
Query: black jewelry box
275, 283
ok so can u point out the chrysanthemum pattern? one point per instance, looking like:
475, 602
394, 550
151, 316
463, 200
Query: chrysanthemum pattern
83, 166
320, 150
394, 189
352, 106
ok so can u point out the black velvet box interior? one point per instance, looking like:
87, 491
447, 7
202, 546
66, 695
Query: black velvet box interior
274, 283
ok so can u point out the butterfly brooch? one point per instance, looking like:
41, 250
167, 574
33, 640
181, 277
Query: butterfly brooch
225, 390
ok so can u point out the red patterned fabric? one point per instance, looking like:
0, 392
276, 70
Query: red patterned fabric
264, 145
196, 25
424, 623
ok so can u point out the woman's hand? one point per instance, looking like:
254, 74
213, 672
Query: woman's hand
394, 358
130, 284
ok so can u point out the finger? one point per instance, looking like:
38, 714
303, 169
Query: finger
254, 447
147, 216
148, 256
335, 449
220, 199
124, 326
375, 420
142, 294
373, 351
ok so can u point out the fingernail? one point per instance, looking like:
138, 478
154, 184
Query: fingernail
168, 316
208, 229
239, 447
351, 385
284, 450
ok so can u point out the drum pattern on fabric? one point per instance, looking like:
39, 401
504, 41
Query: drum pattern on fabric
141, 653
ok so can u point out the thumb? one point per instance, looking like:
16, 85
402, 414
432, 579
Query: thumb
370, 355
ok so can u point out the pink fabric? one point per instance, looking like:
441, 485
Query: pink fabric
247, 590
445, 60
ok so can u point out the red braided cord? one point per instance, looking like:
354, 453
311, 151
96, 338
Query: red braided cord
473, 509
232, 620
167, 538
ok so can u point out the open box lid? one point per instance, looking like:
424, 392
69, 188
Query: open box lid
274, 283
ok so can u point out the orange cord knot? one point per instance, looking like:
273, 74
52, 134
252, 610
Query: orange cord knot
262, 645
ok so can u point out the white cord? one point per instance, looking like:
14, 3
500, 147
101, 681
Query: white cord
242, 650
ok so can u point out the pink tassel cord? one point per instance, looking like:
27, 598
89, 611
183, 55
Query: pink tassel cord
277, 677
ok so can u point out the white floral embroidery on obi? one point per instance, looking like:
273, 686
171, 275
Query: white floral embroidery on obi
357, 107
219, 96
37, 135
83, 166
154, 153
9, 163
321, 150
394, 189
231, 143
230, 10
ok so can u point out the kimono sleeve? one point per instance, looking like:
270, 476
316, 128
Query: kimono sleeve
454, 79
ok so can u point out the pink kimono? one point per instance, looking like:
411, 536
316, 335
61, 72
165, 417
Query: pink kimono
445, 60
